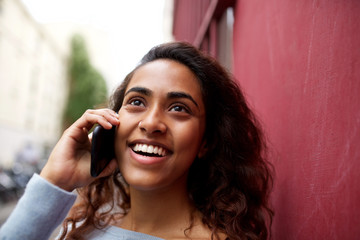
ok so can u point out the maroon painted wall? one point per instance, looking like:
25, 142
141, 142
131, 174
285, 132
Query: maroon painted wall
299, 63
188, 15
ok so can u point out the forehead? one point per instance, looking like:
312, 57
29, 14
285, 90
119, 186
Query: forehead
165, 75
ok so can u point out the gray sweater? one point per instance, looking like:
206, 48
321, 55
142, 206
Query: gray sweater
43, 207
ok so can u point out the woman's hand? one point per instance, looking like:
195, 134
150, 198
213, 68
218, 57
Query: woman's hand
68, 166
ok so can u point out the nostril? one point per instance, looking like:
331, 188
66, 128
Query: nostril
152, 127
153, 122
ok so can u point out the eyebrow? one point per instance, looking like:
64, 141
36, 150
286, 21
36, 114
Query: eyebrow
170, 95
141, 90
173, 95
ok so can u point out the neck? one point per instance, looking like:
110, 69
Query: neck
157, 212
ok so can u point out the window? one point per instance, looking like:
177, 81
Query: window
225, 38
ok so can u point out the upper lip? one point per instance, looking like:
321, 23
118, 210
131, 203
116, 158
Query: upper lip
150, 142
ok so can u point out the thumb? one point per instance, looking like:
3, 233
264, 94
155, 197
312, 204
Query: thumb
110, 168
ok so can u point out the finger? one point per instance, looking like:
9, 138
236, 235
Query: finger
90, 135
105, 117
107, 113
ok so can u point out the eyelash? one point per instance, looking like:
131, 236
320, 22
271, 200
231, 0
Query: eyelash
183, 108
141, 103
133, 100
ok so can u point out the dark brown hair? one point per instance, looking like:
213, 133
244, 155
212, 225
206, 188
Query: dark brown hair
230, 185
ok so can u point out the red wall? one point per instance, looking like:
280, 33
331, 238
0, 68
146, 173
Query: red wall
299, 63
188, 15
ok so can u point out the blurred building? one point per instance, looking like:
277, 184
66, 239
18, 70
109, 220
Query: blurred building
168, 18
33, 83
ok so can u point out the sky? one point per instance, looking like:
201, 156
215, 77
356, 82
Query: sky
132, 27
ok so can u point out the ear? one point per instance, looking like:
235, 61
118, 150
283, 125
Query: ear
203, 149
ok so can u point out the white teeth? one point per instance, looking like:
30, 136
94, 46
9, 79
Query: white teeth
149, 149
136, 147
156, 150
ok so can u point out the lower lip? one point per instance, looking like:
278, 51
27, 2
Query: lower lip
146, 160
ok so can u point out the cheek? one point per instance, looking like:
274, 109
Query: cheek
122, 133
190, 138
119, 143
127, 122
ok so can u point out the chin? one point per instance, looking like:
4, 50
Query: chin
153, 181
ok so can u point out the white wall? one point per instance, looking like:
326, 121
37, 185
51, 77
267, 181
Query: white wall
33, 82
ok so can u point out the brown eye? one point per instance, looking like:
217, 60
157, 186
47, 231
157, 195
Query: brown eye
137, 102
179, 108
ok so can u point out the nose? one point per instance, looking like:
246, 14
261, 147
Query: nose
153, 122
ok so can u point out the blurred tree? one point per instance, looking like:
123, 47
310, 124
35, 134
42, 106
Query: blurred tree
87, 86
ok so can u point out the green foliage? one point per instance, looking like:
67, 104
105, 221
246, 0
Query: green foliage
87, 86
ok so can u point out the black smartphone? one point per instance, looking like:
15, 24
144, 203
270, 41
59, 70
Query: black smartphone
102, 149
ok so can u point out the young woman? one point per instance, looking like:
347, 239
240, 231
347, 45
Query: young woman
190, 157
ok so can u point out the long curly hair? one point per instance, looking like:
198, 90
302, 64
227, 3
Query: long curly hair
230, 185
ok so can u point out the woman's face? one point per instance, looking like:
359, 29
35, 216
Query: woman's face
162, 124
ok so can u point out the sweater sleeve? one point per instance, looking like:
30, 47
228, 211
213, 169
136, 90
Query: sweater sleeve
39, 211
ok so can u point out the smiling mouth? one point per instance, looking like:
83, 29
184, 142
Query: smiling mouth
149, 150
